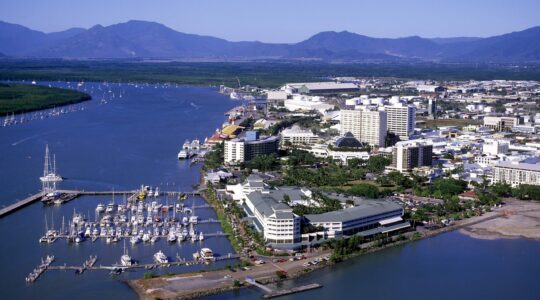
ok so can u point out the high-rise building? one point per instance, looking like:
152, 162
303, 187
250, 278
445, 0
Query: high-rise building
432, 108
367, 126
411, 154
400, 119
241, 150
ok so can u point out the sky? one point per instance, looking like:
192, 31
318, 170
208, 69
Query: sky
281, 21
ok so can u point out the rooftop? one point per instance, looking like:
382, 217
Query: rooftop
366, 208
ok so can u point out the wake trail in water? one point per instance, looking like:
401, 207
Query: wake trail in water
30, 138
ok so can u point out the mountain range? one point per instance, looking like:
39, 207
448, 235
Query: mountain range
150, 40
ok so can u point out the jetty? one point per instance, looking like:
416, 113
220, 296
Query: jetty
269, 293
63, 196
20, 204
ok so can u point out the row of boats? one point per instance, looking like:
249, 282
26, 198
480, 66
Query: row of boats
190, 149
204, 255
11, 119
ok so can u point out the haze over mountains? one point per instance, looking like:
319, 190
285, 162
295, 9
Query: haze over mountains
142, 39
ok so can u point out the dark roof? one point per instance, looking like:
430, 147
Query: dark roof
348, 140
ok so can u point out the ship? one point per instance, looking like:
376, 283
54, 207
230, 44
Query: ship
49, 170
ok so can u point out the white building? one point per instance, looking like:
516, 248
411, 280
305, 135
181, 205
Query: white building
400, 119
516, 173
307, 103
495, 147
297, 136
367, 126
277, 222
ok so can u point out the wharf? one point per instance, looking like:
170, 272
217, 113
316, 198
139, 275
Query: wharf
20, 204
299, 289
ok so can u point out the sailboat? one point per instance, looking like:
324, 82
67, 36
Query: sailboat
125, 259
49, 170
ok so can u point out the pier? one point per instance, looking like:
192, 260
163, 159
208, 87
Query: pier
68, 195
269, 293
20, 204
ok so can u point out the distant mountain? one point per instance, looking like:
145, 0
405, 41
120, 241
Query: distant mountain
142, 39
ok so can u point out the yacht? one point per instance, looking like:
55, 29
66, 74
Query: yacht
206, 254
125, 259
184, 154
185, 221
111, 207
100, 208
160, 257
193, 219
171, 237
201, 236
146, 237
49, 171
135, 239
156, 192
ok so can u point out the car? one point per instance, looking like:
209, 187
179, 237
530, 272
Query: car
227, 277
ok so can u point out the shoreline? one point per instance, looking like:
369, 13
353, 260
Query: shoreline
213, 282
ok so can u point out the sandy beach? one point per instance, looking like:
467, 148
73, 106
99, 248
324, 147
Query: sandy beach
516, 219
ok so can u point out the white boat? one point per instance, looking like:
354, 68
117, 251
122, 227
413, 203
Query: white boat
49, 170
111, 207
206, 254
146, 237
154, 239
100, 208
201, 236
125, 259
193, 219
135, 239
156, 192
160, 257
185, 221
171, 237
184, 154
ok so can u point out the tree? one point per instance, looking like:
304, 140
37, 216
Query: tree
286, 199
377, 163
501, 189
364, 190
264, 162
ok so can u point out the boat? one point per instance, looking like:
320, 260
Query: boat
146, 237
201, 236
160, 257
184, 154
206, 254
156, 192
171, 237
135, 239
111, 207
193, 219
125, 259
49, 170
100, 208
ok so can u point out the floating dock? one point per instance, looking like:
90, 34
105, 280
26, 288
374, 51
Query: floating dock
294, 290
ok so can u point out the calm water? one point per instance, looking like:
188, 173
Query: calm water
449, 266
118, 143
134, 140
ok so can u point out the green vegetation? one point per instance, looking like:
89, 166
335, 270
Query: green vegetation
326, 204
264, 163
18, 98
263, 74
526, 192
442, 188
281, 275
214, 159
211, 197
148, 275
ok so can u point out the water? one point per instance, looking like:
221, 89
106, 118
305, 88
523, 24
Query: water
448, 266
117, 143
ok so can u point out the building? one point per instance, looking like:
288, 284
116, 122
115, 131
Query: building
297, 136
369, 217
307, 103
242, 150
400, 119
430, 88
495, 147
313, 88
411, 154
501, 123
432, 108
516, 173
273, 218
367, 126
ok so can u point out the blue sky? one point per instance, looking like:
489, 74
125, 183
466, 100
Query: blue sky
285, 21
